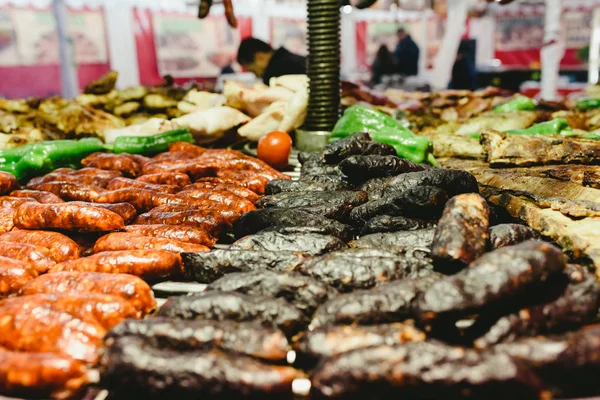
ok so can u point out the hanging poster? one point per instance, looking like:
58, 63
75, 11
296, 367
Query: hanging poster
189, 47
37, 41
289, 33
8, 44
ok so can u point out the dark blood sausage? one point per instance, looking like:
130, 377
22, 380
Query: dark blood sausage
452, 181
8, 182
234, 188
124, 163
387, 223
510, 234
422, 201
60, 246
219, 196
405, 240
166, 178
40, 375
400, 371
193, 168
301, 291
120, 183
353, 269
14, 275
208, 267
70, 191
7, 217
576, 306
258, 220
40, 196
14, 202
388, 302
26, 319
132, 366
362, 168
67, 216
128, 287
462, 233
124, 210
182, 233
327, 341
286, 186
495, 277
37, 257
336, 205
309, 243
149, 265
242, 338
357, 144
207, 220
238, 307
568, 363
106, 310
133, 241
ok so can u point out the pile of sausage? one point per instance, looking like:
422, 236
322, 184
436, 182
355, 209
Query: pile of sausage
78, 246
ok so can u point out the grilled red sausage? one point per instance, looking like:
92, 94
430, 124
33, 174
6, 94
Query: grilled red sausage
60, 246
132, 241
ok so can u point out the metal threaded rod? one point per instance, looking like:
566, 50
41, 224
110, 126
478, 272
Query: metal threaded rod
323, 64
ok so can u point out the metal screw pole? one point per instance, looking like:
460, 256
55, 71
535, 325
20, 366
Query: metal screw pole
323, 64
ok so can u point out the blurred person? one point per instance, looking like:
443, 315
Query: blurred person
260, 58
406, 54
464, 75
382, 65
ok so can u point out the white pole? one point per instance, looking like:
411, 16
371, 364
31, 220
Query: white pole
594, 62
455, 27
121, 42
423, 22
68, 68
552, 50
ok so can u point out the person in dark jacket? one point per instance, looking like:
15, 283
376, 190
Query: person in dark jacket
260, 58
406, 54
464, 75
382, 65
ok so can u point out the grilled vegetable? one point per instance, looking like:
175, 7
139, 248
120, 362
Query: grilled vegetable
520, 103
150, 144
558, 126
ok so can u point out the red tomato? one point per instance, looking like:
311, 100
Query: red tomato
274, 149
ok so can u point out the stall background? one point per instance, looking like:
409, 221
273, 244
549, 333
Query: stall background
146, 39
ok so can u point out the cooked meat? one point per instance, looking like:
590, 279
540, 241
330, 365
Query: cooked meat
309, 243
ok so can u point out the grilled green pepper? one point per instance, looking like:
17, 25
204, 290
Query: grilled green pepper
150, 144
520, 103
558, 126
592, 135
384, 129
43, 157
587, 104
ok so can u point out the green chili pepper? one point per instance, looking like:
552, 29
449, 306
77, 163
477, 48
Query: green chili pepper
150, 144
520, 103
408, 145
587, 104
42, 157
384, 129
14, 155
592, 135
554, 127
